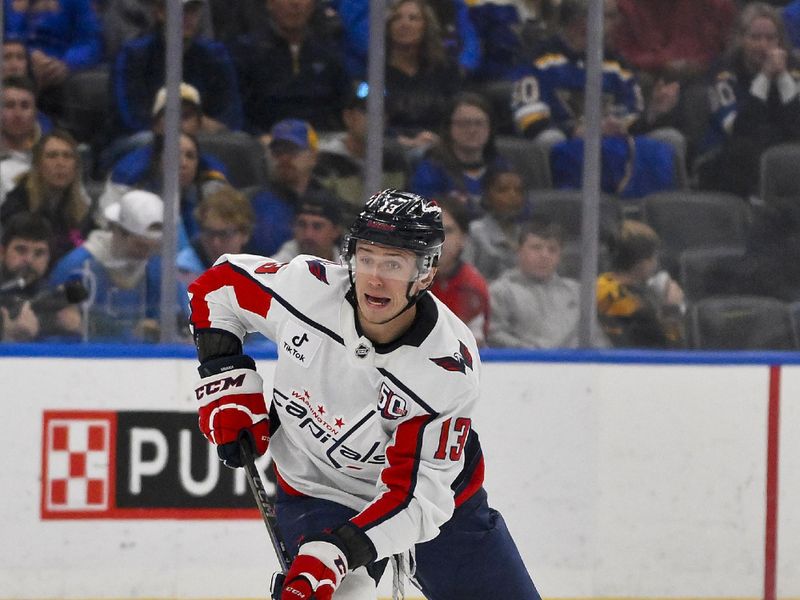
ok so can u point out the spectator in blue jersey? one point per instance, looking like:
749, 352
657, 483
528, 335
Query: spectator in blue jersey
53, 189
548, 104
138, 72
755, 101
20, 129
465, 152
291, 70
293, 151
62, 36
459, 34
548, 97
144, 170
121, 269
421, 79
225, 223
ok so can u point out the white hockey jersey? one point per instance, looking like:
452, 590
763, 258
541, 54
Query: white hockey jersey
385, 429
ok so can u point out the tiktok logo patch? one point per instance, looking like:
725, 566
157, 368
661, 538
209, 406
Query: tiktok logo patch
299, 344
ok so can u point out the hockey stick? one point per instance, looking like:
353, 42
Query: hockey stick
267, 510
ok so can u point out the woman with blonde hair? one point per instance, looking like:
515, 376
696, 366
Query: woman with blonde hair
53, 188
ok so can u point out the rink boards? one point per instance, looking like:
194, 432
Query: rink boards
620, 475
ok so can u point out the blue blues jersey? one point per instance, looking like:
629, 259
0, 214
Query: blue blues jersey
550, 91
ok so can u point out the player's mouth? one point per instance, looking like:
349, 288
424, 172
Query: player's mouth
376, 301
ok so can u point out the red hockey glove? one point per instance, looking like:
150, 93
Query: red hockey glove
316, 572
231, 394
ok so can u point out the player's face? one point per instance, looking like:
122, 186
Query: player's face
538, 257
59, 164
26, 256
382, 275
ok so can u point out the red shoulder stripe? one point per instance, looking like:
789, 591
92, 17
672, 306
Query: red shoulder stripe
249, 294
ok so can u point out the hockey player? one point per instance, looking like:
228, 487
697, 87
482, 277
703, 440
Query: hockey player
370, 418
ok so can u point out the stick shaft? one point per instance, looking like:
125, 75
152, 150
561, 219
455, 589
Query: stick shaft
265, 505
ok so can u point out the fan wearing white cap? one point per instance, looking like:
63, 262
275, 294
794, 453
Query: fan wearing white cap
121, 268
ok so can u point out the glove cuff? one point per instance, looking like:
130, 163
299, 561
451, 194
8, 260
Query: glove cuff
330, 554
215, 366
352, 541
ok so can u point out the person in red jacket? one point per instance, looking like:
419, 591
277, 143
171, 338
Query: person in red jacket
459, 284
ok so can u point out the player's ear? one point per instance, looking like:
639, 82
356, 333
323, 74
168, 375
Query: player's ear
425, 282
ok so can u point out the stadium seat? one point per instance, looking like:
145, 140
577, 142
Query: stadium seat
530, 159
693, 219
708, 272
565, 207
498, 93
86, 104
571, 258
779, 178
742, 323
242, 154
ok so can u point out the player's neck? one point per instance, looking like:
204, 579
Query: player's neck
387, 331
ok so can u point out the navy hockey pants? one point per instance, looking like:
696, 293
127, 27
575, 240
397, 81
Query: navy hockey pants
473, 558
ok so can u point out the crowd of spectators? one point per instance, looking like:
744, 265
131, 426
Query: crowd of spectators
694, 92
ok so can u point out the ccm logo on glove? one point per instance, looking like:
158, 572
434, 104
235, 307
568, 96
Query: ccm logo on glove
316, 572
219, 386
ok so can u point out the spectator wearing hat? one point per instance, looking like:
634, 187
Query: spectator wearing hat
139, 71
342, 158
293, 150
129, 154
317, 229
120, 267
201, 173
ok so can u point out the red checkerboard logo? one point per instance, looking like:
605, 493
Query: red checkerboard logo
77, 463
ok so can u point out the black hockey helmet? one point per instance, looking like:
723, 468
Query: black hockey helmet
399, 220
